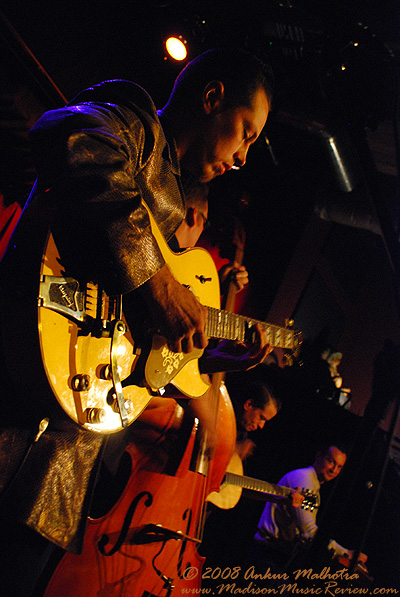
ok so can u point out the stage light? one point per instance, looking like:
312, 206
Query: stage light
176, 47
183, 36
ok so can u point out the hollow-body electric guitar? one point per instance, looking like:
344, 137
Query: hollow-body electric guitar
100, 375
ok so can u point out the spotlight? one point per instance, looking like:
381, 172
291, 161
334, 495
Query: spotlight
176, 47
183, 36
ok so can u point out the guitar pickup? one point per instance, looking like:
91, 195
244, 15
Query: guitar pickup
62, 295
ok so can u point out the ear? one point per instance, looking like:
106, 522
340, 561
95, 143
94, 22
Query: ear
213, 96
248, 404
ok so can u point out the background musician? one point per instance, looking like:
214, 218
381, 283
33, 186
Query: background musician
283, 530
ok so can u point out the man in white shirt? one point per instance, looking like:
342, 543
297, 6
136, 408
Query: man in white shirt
282, 528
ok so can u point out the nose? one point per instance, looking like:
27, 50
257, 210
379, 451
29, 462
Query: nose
240, 157
261, 424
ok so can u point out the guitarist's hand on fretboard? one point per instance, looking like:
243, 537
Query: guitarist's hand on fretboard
234, 356
259, 350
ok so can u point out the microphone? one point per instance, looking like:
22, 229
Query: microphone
270, 150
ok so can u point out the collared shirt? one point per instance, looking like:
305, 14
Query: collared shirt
273, 521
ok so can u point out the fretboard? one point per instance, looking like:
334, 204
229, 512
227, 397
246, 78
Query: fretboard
256, 485
230, 326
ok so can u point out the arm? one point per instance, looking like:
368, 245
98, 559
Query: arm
91, 169
306, 520
93, 166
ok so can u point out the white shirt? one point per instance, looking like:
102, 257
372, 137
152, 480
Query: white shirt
305, 478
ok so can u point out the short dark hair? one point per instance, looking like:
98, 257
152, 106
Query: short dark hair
241, 73
241, 389
324, 447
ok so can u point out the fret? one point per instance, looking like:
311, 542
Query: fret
278, 337
270, 333
226, 325
223, 325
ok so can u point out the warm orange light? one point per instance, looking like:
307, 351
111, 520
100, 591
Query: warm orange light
176, 47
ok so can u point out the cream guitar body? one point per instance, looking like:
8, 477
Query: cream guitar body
100, 376
88, 352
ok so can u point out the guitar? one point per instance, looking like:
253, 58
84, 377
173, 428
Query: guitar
234, 482
95, 367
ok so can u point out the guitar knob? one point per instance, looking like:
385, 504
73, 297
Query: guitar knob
105, 372
81, 382
95, 416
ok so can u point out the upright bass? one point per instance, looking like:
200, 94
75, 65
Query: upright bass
146, 545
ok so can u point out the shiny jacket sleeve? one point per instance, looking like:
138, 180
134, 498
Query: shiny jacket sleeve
95, 163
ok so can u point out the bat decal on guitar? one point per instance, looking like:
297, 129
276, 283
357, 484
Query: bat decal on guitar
95, 367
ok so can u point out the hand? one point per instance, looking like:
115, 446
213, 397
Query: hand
296, 498
233, 272
259, 350
233, 356
338, 381
176, 312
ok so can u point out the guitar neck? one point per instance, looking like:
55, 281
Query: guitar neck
256, 485
230, 326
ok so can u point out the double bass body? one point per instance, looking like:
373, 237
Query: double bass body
146, 545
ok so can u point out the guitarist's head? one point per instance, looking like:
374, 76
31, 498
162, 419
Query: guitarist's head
196, 219
329, 462
253, 402
217, 109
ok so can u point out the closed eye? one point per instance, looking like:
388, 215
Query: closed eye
248, 136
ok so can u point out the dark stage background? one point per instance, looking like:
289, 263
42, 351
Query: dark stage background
314, 197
